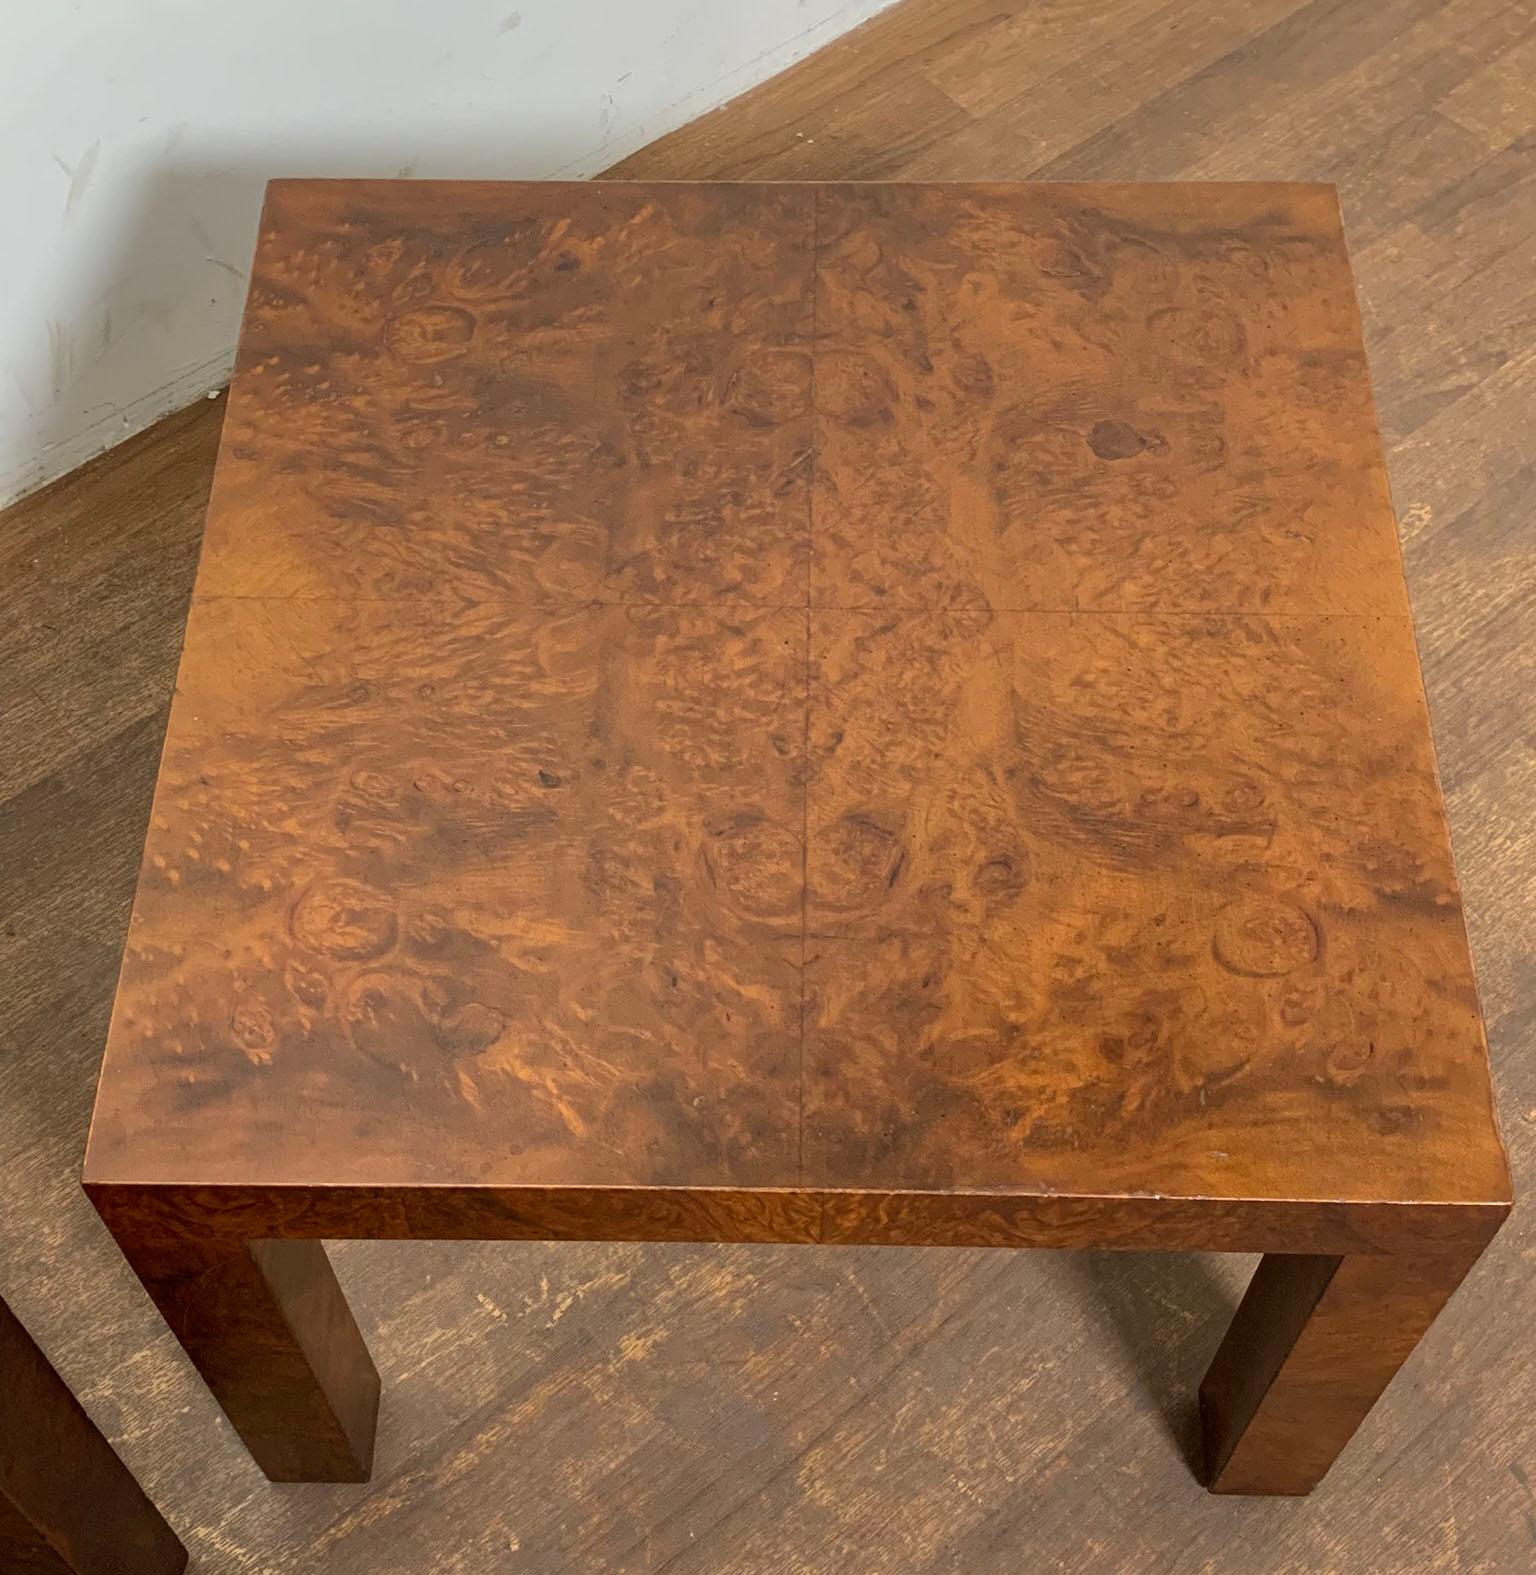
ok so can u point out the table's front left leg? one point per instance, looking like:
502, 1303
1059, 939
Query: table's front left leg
271, 1333
1312, 1346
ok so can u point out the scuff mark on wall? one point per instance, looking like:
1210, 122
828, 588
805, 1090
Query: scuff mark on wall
80, 175
61, 356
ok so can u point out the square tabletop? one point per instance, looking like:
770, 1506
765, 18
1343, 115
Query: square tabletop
835, 694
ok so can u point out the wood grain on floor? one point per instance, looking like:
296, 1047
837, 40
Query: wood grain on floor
560, 1407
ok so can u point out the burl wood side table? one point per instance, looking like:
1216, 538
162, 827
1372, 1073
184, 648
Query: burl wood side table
68, 1505
801, 713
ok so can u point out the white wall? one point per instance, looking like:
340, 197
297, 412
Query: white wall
137, 135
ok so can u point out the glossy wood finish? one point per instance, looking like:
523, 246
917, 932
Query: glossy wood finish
67, 1504
788, 713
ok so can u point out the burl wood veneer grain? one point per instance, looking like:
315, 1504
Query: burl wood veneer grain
806, 714
789, 689
603, 396
1104, 902
491, 895
1148, 398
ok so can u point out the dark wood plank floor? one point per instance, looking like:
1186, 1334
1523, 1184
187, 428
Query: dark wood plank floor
711, 1410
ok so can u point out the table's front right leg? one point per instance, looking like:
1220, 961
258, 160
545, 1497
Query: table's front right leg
268, 1328
1312, 1346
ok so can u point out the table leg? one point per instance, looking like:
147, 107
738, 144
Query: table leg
1312, 1346
270, 1331
67, 1503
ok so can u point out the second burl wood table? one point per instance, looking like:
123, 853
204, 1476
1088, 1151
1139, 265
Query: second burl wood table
843, 713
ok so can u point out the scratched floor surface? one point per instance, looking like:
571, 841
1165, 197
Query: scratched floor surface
710, 1411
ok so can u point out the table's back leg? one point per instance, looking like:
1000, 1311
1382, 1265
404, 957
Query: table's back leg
268, 1328
67, 1503
1312, 1346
